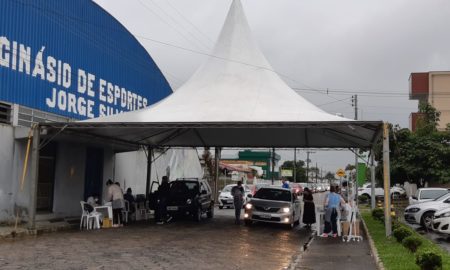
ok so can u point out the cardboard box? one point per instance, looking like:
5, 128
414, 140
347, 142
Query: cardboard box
346, 228
107, 223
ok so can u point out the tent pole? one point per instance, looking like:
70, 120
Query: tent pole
149, 170
217, 151
372, 180
273, 166
295, 165
387, 181
34, 173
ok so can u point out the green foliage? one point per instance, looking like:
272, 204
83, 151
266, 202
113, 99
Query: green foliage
363, 199
378, 213
412, 243
429, 260
417, 157
428, 120
401, 233
300, 170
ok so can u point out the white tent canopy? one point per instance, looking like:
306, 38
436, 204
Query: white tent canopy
235, 99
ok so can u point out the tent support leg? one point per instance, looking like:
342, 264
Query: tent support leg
372, 180
217, 152
149, 170
34, 175
387, 181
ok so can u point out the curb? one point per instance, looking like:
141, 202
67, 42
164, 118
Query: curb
297, 258
373, 249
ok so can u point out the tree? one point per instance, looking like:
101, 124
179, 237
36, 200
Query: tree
300, 170
418, 157
350, 167
329, 176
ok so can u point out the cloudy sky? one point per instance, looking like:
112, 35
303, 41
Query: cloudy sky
349, 47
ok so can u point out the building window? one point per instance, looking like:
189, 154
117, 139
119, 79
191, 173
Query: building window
5, 113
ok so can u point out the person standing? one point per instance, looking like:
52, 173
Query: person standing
332, 203
115, 196
238, 194
163, 195
285, 184
309, 208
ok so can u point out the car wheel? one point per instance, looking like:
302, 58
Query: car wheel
220, 207
426, 220
210, 213
198, 215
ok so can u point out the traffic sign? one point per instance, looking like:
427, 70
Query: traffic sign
340, 173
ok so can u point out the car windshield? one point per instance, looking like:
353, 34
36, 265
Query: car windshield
227, 189
183, 187
273, 194
443, 196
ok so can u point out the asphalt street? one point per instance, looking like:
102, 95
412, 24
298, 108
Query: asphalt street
182, 244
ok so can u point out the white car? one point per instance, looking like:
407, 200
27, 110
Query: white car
422, 213
225, 198
379, 192
441, 221
427, 194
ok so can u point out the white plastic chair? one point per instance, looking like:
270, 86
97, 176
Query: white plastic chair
89, 220
126, 211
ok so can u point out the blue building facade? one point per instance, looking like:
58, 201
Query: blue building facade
73, 59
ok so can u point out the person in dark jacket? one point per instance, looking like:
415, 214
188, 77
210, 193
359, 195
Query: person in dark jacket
163, 195
238, 194
309, 209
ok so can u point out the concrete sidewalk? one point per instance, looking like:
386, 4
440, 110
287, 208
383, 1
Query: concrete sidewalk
9, 232
332, 253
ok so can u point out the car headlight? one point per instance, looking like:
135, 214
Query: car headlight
413, 210
286, 209
248, 206
189, 201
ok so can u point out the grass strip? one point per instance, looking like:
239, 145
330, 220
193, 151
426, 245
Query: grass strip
393, 254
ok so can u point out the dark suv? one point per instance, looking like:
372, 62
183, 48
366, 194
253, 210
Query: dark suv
190, 197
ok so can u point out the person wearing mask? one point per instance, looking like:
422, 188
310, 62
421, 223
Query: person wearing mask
115, 196
163, 195
332, 203
238, 194
309, 209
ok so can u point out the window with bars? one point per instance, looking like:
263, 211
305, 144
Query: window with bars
5, 113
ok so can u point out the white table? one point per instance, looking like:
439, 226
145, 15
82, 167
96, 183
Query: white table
105, 209
320, 213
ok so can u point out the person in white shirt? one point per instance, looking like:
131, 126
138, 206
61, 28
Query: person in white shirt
115, 196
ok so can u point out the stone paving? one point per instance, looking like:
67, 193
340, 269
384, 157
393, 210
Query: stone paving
182, 244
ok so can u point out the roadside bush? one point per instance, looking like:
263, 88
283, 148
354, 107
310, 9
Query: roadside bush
363, 199
429, 260
412, 243
378, 213
396, 225
401, 233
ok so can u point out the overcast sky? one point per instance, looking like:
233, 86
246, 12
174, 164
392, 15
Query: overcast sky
367, 48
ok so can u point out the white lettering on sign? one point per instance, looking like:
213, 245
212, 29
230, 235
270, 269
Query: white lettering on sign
88, 90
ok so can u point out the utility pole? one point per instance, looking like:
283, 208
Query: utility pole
355, 105
295, 165
316, 172
307, 164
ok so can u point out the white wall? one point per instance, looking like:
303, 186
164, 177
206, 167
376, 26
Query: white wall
131, 167
6, 176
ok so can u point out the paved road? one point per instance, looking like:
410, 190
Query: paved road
212, 244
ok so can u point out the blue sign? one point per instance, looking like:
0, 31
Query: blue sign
73, 59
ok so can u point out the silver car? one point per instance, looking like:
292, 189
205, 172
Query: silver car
273, 205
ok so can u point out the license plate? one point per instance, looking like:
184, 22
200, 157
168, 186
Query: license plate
172, 208
229, 201
266, 216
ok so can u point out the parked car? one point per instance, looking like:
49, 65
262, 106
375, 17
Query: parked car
441, 221
273, 205
225, 198
422, 213
427, 194
366, 190
190, 197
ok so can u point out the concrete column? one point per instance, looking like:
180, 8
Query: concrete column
149, 170
34, 175
387, 180
372, 180
217, 152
